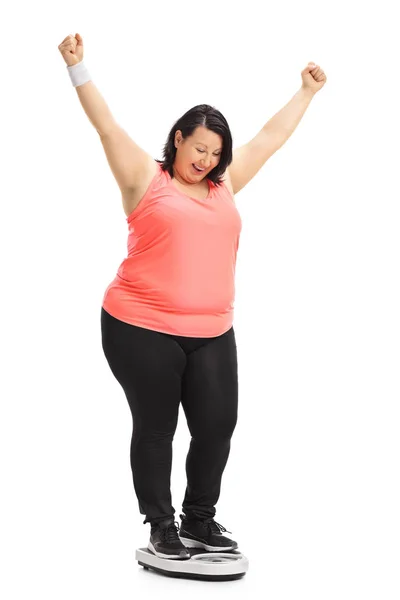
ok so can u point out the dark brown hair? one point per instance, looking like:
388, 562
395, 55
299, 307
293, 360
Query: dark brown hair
206, 116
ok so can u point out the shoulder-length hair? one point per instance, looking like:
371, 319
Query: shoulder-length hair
206, 116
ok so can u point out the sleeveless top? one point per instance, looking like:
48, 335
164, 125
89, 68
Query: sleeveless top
179, 273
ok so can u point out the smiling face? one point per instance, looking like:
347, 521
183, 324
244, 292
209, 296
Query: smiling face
203, 149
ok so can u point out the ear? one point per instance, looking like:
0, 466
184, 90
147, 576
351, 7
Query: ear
178, 136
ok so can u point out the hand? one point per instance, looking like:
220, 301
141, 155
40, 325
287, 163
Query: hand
313, 78
71, 49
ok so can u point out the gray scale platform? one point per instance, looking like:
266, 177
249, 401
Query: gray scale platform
208, 566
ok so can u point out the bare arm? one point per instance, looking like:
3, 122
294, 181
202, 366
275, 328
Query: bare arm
95, 107
128, 162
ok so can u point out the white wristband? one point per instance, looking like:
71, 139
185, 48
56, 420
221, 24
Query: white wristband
78, 74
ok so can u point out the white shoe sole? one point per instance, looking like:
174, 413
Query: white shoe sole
195, 544
162, 555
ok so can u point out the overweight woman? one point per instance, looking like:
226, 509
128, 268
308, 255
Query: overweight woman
166, 318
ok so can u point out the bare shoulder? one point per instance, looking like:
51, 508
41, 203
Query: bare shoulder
132, 198
226, 178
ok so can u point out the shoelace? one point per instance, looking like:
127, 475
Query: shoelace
170, 533
214, 526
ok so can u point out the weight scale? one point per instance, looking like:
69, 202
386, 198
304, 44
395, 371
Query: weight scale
209, 566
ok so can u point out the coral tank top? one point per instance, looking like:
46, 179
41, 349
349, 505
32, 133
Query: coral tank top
179, 273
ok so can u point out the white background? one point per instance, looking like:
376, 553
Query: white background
312, 482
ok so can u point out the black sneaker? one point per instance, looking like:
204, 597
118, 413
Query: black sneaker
164, 540
206, 534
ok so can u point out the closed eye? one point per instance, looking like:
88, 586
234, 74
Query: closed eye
204, 151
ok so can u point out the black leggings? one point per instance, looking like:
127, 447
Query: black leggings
157, 371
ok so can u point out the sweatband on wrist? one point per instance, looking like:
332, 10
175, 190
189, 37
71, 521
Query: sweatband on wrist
78, 74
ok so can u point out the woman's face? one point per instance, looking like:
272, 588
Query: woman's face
203, 149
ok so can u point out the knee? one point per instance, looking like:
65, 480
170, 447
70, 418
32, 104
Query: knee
219, 430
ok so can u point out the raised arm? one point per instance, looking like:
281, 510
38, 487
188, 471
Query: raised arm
129, 163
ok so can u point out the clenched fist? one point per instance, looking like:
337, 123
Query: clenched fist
71, 49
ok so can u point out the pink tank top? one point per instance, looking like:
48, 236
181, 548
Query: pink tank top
179, 273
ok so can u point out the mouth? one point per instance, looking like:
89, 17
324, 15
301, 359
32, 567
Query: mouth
197, 170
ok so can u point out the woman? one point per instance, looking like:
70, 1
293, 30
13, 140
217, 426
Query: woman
166, 318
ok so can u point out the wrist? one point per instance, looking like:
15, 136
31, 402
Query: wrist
78, 73
307, 92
